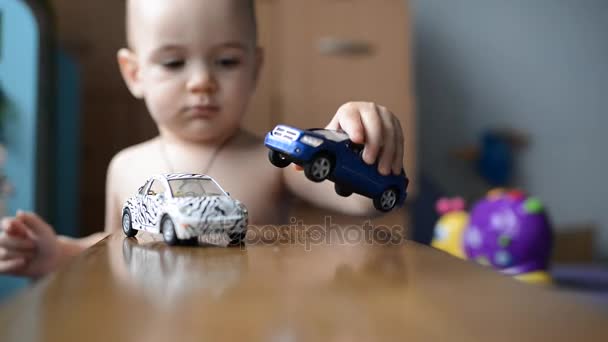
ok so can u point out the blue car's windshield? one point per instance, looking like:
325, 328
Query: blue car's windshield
332, 135
194, 187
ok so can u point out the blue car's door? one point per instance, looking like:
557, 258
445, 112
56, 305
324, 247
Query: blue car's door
351, 169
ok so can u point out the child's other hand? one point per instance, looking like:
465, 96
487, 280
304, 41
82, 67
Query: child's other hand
28, 246
376, 127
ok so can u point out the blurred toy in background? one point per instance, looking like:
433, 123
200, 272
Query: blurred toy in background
450, 226
507, 230
494, 156
511, 232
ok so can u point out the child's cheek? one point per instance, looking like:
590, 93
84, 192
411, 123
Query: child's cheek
159, 74
163, 103
243, 88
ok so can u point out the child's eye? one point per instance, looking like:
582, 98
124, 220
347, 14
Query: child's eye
228, 62
173, 64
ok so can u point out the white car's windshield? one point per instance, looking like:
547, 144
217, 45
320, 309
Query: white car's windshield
194, 187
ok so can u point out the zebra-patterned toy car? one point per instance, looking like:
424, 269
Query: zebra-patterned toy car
183, 207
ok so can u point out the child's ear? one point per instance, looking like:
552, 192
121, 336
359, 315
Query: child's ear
259, 63
129, 68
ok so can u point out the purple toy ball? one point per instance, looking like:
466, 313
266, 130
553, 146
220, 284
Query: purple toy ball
509, 231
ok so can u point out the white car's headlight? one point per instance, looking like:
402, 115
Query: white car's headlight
242, 208
311, 141
185, 210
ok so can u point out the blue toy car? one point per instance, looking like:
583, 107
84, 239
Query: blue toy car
327, 154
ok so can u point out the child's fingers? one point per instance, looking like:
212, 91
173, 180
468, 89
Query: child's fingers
5, 223
372, 124
348, 119
9, 254
334, 123
387, 154
16, 228
378, 128
399, 144
13, 265
34, 222
10, 242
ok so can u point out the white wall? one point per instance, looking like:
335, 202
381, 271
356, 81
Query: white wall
539, 66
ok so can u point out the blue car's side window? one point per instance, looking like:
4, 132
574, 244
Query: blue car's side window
356, 148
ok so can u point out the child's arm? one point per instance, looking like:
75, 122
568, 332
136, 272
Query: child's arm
365, 123
112, 220
30, 247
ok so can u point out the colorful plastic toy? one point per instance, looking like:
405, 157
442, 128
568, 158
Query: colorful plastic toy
182, 207
507, 230
450, 227
328, 154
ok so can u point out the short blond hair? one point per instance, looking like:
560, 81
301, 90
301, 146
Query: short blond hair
250, 15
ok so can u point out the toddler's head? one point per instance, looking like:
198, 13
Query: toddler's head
194, 63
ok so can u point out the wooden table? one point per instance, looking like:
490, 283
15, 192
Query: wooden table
278, 290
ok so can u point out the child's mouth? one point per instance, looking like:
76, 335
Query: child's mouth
202, 111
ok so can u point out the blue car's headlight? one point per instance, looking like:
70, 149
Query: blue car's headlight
311, 141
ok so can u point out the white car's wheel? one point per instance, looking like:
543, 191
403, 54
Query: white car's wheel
127, 225
237, 238
168, 231
238, 234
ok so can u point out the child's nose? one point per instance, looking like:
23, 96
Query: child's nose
202, 82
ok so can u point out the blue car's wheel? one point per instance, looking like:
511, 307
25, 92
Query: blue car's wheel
278, 159
342, 190
319, 168
127, 226
387, 200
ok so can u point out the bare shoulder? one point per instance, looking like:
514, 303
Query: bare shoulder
145, 151
132, 166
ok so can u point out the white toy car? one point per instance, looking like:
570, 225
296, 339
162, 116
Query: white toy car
182, 207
